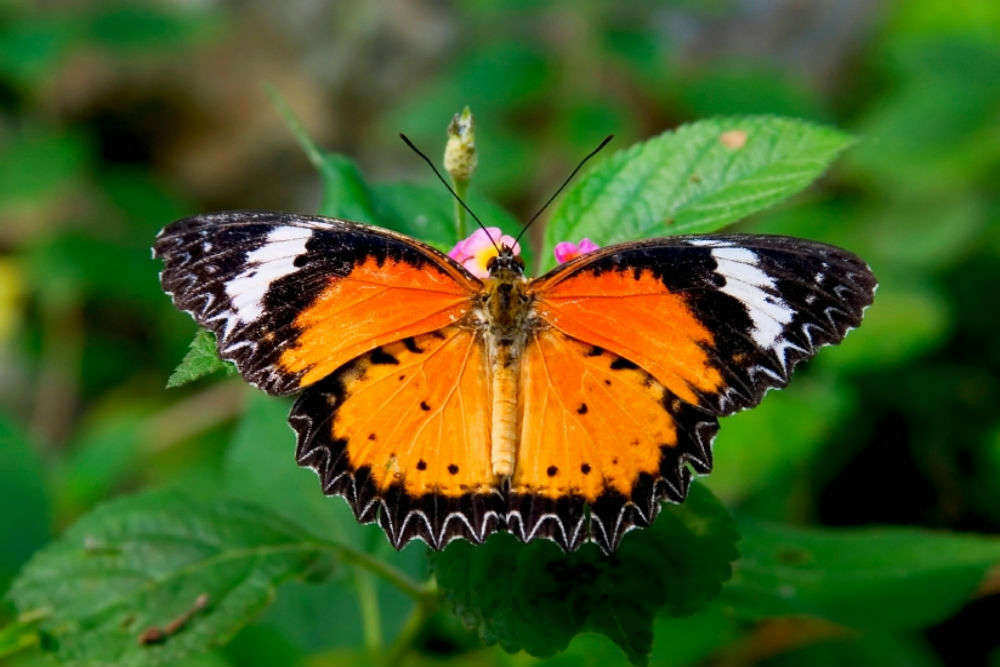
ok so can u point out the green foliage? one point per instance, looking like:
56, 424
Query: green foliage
536, 598
24, 502
694, 179
917, 576
775, 439
201, 360
141, 562
40, 164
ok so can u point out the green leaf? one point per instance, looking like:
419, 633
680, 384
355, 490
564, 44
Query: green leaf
24, 503
143, 561
693, 180
201, 360
346, 195
760, 446
907, 319
871, 648
536, 598
260, 467
917, 577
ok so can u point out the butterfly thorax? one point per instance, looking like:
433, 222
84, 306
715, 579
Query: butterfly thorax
506, 317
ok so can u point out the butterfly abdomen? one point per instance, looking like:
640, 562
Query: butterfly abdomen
507, 317
505, 422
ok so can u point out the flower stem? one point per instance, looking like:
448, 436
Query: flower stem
460, 229
382, 570
371, 624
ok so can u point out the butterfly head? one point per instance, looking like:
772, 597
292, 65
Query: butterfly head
507, 265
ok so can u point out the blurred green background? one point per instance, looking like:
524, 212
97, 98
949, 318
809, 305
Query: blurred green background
116, 118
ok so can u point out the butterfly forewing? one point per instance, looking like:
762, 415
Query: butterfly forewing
717, 319
292, 298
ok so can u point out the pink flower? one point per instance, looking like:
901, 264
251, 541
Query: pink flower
476, 251
567, 250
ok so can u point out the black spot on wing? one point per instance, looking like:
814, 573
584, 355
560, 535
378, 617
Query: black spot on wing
380, 356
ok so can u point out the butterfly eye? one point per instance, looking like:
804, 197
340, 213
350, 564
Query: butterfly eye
490, 262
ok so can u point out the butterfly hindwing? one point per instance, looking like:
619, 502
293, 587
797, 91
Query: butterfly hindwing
292, 298
599, 432
402, 433
718, 320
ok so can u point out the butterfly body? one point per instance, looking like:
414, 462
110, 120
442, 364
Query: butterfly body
568, 406
506, 318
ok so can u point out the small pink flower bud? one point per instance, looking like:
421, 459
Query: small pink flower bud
567, 250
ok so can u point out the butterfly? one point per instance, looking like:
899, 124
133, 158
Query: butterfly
568, 406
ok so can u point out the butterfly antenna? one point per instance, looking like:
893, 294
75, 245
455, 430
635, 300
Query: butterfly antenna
569, 178
454, 194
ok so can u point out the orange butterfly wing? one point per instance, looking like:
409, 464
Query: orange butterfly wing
403, 433
292, 298
718, 320
597, 431
656, 339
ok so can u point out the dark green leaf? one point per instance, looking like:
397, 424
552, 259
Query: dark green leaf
536, 598
201, 360
759, 446
870, 648
696, 179
143, 561
917, 577
24, 503
906, 320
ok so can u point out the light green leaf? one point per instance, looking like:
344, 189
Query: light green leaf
693, 180
536, 598
144, 561
917, 577
201, 360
